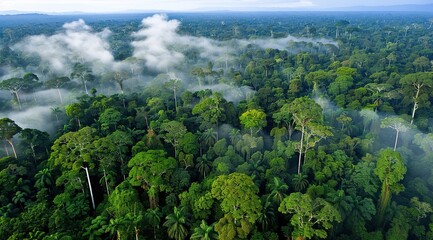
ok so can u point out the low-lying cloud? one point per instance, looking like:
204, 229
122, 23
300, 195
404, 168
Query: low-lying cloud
77, 42
161, 47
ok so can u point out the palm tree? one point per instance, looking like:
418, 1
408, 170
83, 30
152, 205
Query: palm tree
176, 223
278, 189
267, 215
116, 226
43, 178
20, 198
300, 182
203, 165
204, 232
235, 136
153, 217
208, 137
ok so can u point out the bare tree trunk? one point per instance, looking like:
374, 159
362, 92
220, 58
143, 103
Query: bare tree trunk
396, 140
415, 104
17, 96
136, 232
6, 148
13, 148
60, 95
415, 107
175, 99
300, 150
106, 183
90, 187
85, 87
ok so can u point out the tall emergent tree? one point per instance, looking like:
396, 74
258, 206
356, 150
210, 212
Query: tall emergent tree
390, 168
82, 73
417, 85
174, 85
396, 123
306, 113
57, 83
15, 85
8, 128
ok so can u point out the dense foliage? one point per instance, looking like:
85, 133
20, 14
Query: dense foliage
327, 138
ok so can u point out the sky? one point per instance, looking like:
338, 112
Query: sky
96, 6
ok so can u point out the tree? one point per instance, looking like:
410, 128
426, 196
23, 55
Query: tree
176, 224
151, 170
253, 119
378, 93
153, 217
300, 182
338, 24
36, 142
396, 123
239, 202
278, 190
368, 117
390, 168
310, 217
391, 58
110, 119
307, 114
210, 110
421, 64
117, 144
204, 232
172, 132
16, 85
199, 74
8, 129
43, 178
174, 85
284, 116
203, 166
57, 83
417, 84
73, 148
125, 207
119, 77
75, 110
82, 73
71, 153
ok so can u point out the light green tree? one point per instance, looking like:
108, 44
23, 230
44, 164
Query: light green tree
151, 170
305, 112
204, 232
309, 217
239, 202
390, 169
253, 119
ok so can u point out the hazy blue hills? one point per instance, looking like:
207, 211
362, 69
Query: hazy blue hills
392, 8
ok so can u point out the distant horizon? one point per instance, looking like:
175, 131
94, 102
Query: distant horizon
132, 6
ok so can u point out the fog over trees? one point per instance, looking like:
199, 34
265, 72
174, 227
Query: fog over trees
252, 125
